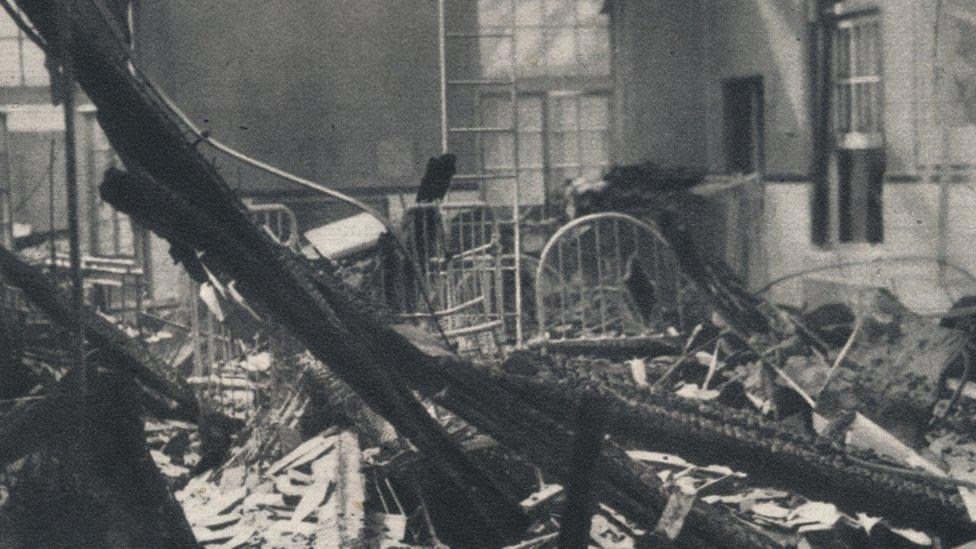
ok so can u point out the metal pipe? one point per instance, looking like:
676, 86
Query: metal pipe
6, 209
267, 168
442, 71
71, 181
446, 312
516, 198
469, 330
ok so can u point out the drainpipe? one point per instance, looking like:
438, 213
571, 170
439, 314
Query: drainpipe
71, 179
938, 108
6, 215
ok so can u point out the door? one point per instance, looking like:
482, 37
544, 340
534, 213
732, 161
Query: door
743, 114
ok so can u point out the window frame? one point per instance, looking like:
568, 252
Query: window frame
831, 144
22, 80
853, 138
550, 191
545, 29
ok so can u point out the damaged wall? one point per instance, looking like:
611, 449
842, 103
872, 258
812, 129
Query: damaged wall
672, 59
658, 75
342, 92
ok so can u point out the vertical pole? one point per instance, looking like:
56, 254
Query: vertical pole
71, 180
6, 215
194, 308
591, 424
442, 66
52, 241
940, 109
516, 200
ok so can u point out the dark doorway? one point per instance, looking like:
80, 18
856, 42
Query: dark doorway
743, 111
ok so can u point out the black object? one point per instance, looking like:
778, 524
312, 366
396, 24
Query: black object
437, 178
641, 288
591, 424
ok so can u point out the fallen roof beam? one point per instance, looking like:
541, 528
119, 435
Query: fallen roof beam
480, 400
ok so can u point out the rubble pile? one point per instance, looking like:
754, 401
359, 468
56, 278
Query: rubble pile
312, 497
762, 428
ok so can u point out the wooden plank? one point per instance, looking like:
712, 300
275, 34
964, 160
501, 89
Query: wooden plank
206, 535
242, 536
547, 493
344, 513
285, 487
216, 521
228, 500
324, 471
317, 444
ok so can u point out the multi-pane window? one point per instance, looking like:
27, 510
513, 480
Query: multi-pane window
857, 105
21, 61
498, 148
114, 236
561, 57
578, 132
959, 61
552, 38
562, 135
858, 119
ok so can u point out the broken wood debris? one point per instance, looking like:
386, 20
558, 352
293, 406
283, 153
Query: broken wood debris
183, 198
327, 512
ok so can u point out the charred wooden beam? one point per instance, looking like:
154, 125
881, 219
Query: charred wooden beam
167, 394
747, 313
32, 423
268, 275
492, 402
748, 442
95, 483
368, 355
591, 423
476, 399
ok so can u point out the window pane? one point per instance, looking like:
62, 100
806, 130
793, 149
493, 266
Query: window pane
589, 12
494, 13
530, 113
9, 63
594, 50
841, 108
530, 52
496, 57
560, 13
857, 102
35, 73
528, 12
594, 112
866, 62
126, 239
498, 152
564, 115
496, 112
961, 64
531, 186
842, 58
530, 150
561, 49
564, 148
594, 148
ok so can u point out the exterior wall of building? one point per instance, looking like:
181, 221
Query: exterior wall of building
923, 218
342, 92
659, 71
745, 38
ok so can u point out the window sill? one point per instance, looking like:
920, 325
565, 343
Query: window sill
851, 250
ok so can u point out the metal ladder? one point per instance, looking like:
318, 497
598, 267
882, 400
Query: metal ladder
449, 41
